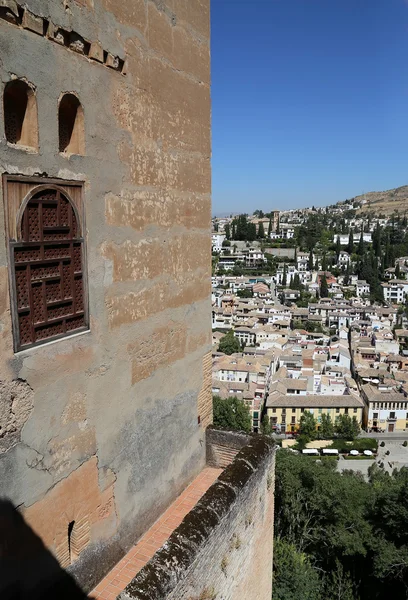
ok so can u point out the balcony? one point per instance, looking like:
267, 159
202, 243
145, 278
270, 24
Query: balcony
177, 552
392, 417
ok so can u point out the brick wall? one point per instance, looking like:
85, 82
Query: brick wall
223, 548
223, 446
205, 405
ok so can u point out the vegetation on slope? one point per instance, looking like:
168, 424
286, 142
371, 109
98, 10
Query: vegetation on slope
337, 535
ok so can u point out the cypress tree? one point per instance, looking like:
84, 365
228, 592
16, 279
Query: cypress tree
324, 288
284, 277
360, 249
338, 247
350, 246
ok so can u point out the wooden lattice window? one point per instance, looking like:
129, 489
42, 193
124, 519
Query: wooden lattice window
48, 270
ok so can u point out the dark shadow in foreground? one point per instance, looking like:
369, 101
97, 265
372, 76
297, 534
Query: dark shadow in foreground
28, 571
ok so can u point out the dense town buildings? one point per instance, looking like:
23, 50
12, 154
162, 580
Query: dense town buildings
105, 345
334, 341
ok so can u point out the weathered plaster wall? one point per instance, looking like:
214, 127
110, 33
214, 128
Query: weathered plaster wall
104, 426
223, 548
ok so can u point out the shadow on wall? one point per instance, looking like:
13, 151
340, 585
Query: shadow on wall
28, 571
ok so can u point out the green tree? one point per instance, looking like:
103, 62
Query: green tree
310, 264
227, 231
284, 276
397, 271
326, 431
347, 275
295, 283
324, 288
308, 425
377, 240
261, 231
245, 293
251, 232
294, 576
350, 246
340, 584
266, 428
360, 248
231, 413
338, 247
270, 228
229, 344
347, 427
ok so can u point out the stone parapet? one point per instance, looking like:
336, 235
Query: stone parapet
223, 548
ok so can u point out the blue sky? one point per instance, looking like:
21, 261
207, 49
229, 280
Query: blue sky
309, 101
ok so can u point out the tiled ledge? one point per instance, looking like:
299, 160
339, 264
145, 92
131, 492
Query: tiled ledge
123, 573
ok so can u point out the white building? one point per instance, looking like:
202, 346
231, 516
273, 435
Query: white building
254, 258
344, 238
344, 259
302, 263
245, 335
395, 291
362, 288
287, 232
217, 239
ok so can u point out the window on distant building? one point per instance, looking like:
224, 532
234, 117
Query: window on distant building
48, 269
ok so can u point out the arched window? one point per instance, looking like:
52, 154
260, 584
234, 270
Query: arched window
20, 114
48, 270
71, 125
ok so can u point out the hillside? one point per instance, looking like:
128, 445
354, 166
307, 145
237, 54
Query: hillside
384, 202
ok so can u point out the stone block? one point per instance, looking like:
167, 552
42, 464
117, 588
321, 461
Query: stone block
112, 61
77, 43
96, 52
11, 6
33, 23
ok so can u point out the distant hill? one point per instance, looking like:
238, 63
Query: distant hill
384, 202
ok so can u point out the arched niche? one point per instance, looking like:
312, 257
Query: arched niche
20, 114
71, 125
